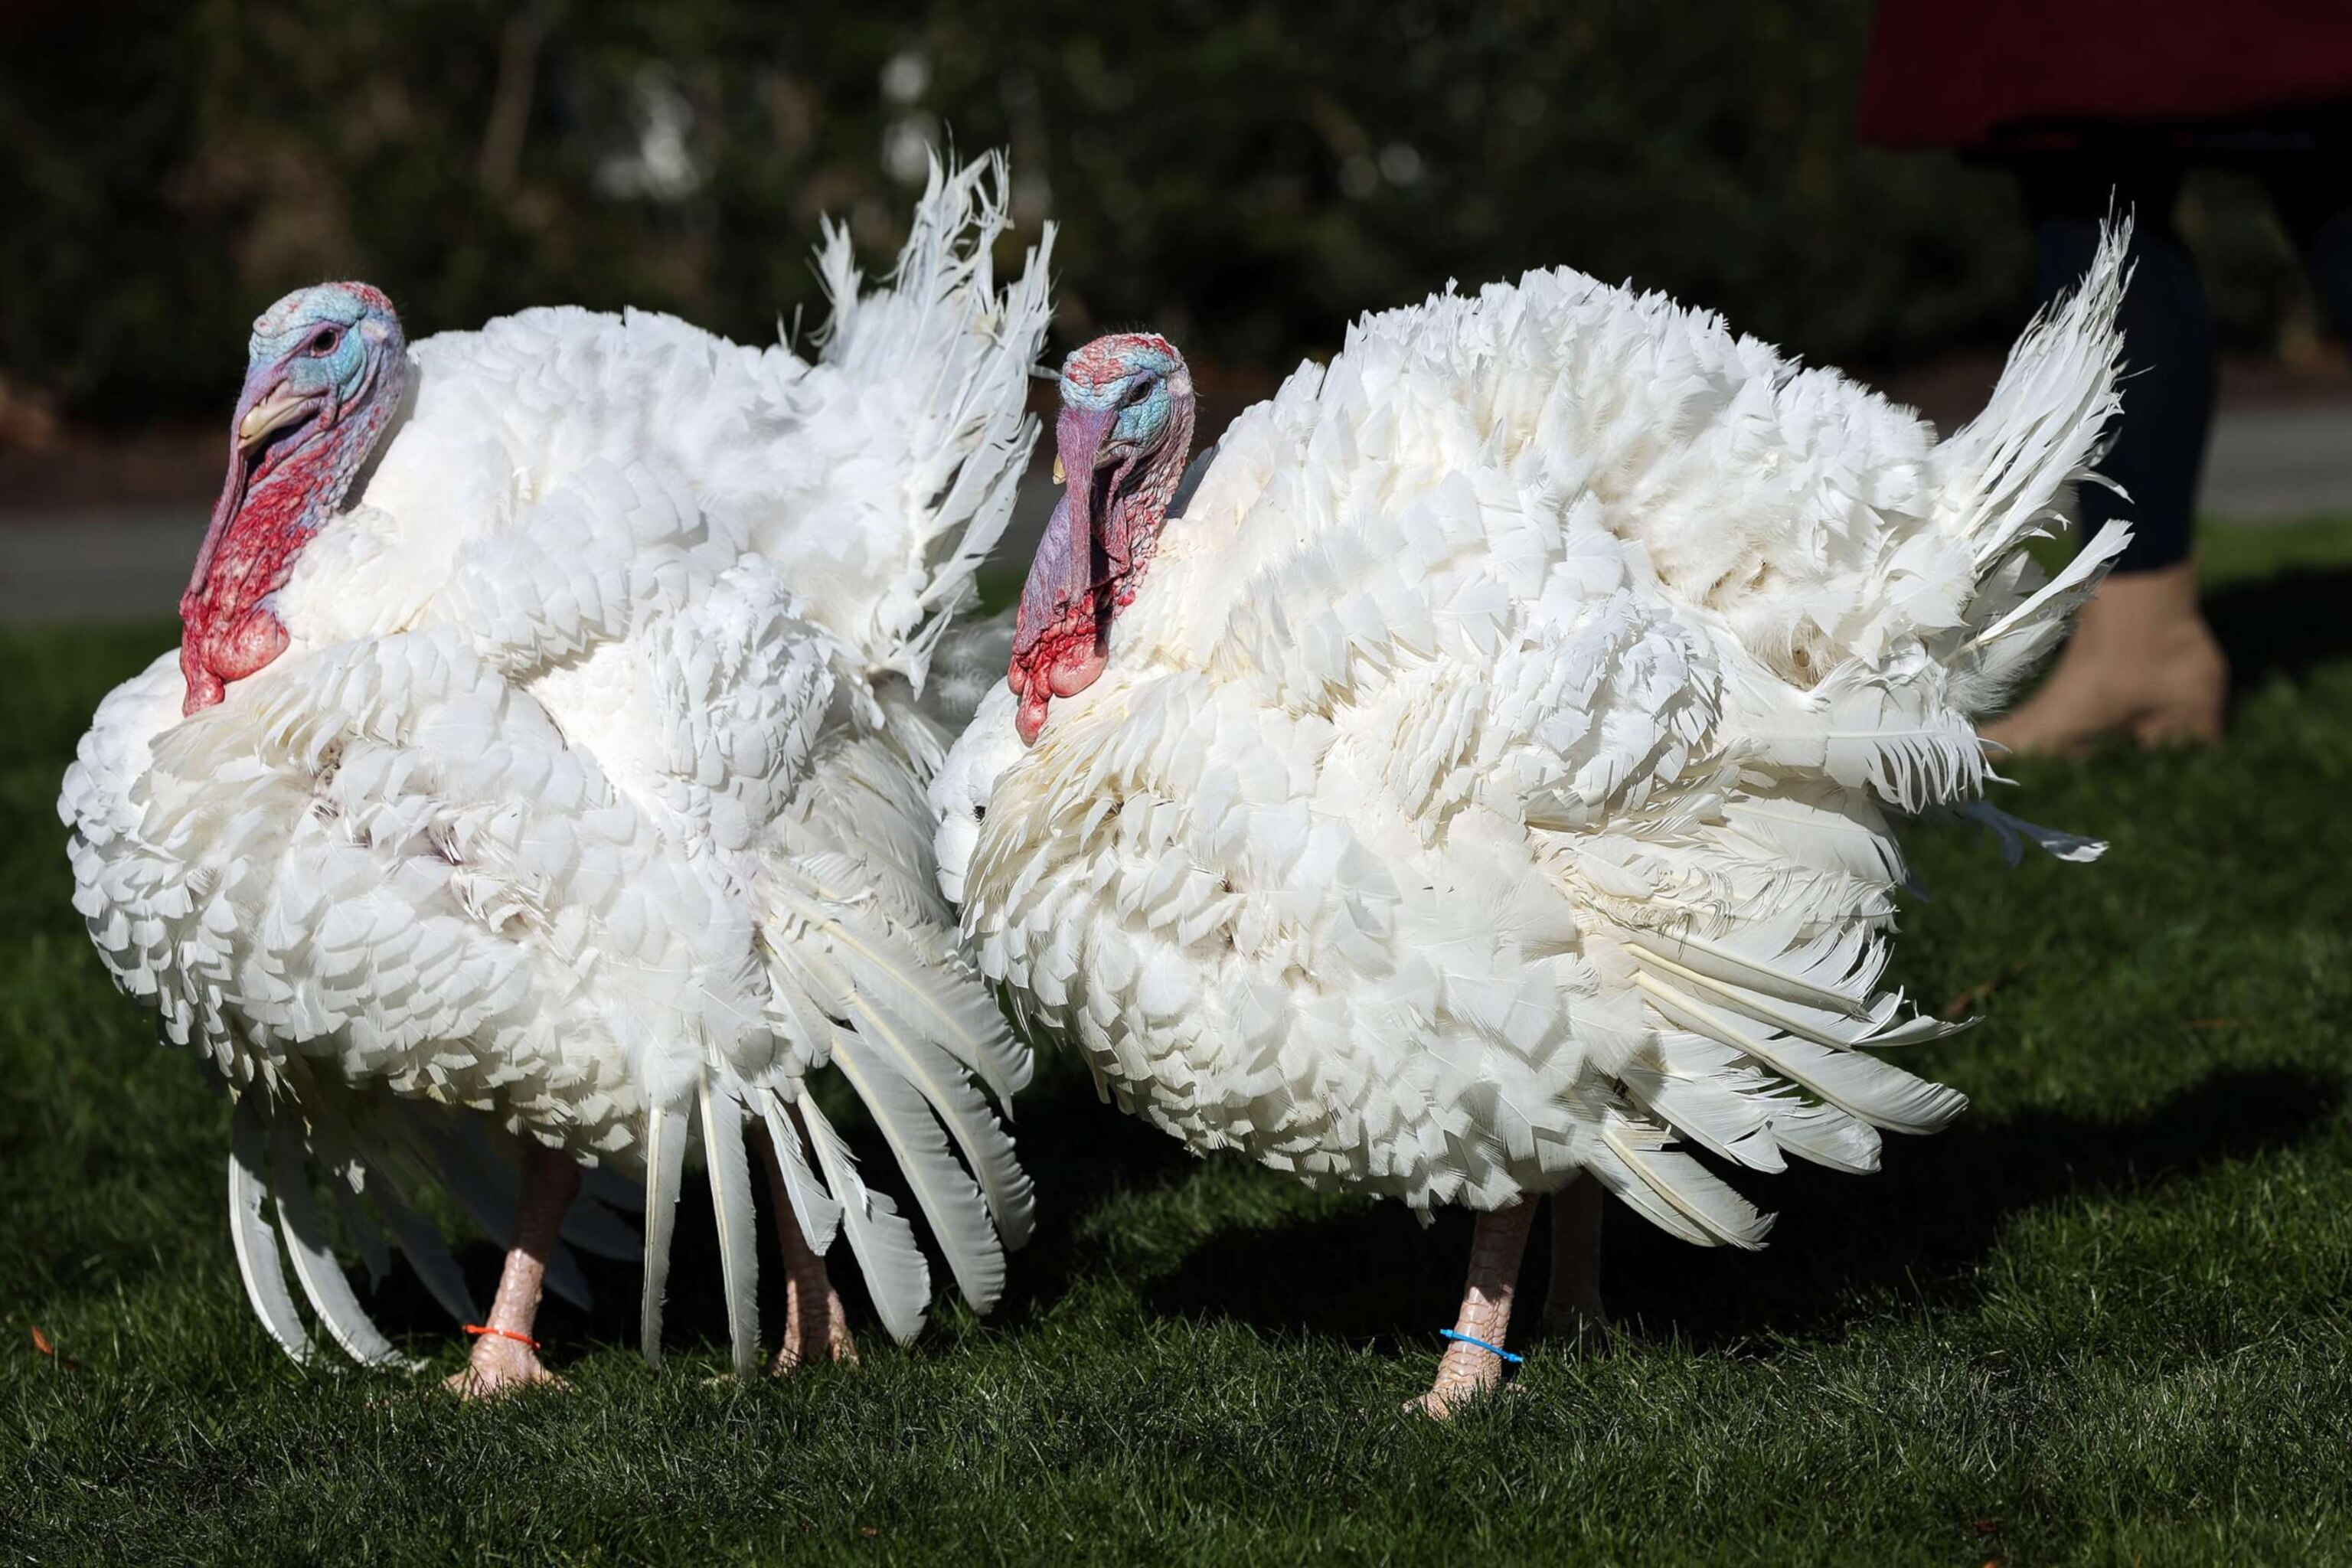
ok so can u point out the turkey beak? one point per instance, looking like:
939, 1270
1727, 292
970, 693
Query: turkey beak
1057, 632
273, 410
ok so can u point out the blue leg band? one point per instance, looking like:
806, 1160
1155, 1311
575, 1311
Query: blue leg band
1495, 1349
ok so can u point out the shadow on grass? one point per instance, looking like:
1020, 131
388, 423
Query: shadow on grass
1073, 1147
1371, 1274
2285, 625
1915, 1227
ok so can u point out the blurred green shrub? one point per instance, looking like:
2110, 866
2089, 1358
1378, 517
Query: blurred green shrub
1244, 176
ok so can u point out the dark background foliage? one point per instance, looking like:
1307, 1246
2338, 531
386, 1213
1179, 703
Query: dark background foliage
1244, 176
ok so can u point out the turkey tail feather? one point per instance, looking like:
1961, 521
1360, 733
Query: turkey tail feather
1672, 1190
255, 1240
816, 1210
2007, 473
950, 1200
896, 1274
956, 353
731, 1200
665, 1135
315, 1266
2044, 425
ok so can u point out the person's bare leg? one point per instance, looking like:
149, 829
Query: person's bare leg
499, 1363
1573, 1303
816, 1328
1467, 1372
2142, 664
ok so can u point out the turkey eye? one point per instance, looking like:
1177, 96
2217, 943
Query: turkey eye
1142, 390
324, 340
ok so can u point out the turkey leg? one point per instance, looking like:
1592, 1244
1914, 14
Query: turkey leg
1468, 1371
1573, 1303
815, 1326
504, 1358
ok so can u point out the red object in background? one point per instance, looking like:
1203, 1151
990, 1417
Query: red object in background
1944, 73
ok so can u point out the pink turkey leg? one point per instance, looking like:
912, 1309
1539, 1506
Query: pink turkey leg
1467, 1370
1573, 1302
815, 1329
505, 1359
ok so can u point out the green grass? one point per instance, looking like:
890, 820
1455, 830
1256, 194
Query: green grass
2103, 1318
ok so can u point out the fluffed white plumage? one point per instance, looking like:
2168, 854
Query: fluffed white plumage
1490, 778
587, 801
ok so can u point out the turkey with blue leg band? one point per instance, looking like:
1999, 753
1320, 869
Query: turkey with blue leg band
1486, 786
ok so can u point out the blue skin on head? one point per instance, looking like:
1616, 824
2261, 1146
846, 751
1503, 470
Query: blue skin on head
1094, 382
319, 346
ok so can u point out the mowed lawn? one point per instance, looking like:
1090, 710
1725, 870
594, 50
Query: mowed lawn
2107, 1318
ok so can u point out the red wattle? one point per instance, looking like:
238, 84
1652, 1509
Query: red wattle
1062, 661
226, 634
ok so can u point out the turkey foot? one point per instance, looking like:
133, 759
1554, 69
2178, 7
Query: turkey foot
502, 1360
816, 1328
2142, 664
1573, 1304
1468, 1371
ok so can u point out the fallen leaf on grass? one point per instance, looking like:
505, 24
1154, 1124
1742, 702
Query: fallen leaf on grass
41, 1344
1976, 996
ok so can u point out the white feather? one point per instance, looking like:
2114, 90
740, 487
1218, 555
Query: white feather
1827, 1136
255, 1242
665, 1146
315, 1267
815, 1210
1734, 1124
1858, 1085
949, 1010
1675, 1190
945, 1192
928, 1070
896, 1274
731, 1201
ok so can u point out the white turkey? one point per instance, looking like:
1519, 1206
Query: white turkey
539, 785
1482, 786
